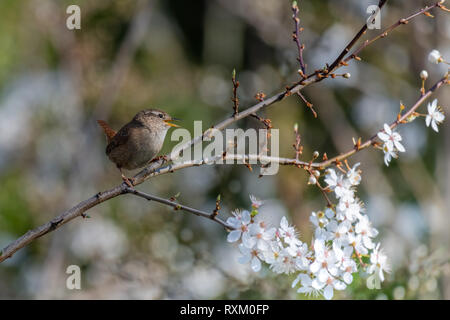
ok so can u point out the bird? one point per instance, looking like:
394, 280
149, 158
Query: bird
138, 142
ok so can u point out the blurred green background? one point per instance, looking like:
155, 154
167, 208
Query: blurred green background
178, 56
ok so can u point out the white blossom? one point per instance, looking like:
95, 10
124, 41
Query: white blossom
354, 175
388, 155
435, 57
338, 183
325, 263
254, 256
340, 231
287, 233
378, 263
367, 232
328, 286
259, 236
283, 262
256, 202
306, 285
240, 222
392, 143
301, 255
391, 139
434, 116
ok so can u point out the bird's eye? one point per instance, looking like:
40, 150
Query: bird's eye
160, 115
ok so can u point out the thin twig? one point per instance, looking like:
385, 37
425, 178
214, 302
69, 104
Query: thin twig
178, 206
296, 38
297, 145
308, 104
235, 98
350, 45
385, 32
371, 141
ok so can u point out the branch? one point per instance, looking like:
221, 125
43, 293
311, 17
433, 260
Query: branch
337, 63
155, 167
212, 216
60, 220
293, 89
371, 141
296, 38
385, 32
235, 98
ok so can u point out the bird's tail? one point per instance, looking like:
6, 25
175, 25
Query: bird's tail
110, 133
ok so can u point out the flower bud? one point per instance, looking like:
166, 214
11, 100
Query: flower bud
424, 75
312, 180
315, 154
347, 75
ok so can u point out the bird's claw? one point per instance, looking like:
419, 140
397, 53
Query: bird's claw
128, 181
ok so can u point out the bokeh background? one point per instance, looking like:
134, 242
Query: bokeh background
178, 56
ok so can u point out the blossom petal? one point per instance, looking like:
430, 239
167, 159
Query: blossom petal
284, 223
314, 267
399, 146
339, 285
248, 240
246, 217
256, 264
383, 136
234, 236
328, 292
348, 278
434, 126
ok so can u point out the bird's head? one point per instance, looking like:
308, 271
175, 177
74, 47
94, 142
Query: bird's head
155, 118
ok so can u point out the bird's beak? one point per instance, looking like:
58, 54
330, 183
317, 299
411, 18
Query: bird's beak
172, 124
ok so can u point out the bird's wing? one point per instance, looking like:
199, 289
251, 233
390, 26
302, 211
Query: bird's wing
122, 136
110, 133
